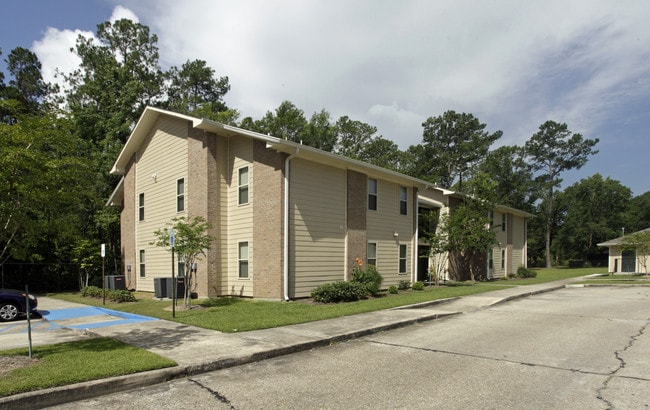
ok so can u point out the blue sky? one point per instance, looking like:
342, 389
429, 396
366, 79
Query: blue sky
512, 64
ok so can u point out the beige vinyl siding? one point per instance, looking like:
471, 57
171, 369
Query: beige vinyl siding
240, 217
221, 245
518, 243
164, 155
318, 218
383, 224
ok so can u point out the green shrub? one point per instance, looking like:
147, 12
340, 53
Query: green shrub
523, 272
369, 277
120, 296
404, 285
114, 295
340, 292
418, 286
91, 292
393, 290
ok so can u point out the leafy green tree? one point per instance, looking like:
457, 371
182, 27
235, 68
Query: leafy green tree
287, 122
382, 152
191, 241
117, 78
452, 145
591, 212
86, 254
469, 236
515, 188
638, 214
551, 151
320, 132
194, 87
45, 177
27, 86
353, 136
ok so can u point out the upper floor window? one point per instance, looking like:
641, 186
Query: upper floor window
503, 222
372, 254
372, 194
402, 258
403, 201
180, 195
243, 185
141, 207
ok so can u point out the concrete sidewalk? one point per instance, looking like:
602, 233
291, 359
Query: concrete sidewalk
198, 350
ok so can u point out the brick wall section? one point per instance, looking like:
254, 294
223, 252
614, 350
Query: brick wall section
127, 225
356, 218
268, 174
202, 191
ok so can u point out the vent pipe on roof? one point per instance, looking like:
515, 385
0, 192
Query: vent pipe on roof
286, 223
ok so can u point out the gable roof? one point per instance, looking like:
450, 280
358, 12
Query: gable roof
151, 114
620, 239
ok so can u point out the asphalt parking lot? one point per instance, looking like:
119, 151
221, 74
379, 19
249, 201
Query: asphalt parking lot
60, 322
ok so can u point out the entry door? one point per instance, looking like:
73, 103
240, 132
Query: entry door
628, 261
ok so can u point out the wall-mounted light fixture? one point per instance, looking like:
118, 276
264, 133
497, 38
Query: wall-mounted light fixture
154, 176
395, 234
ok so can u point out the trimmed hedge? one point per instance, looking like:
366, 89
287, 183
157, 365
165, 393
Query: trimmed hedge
340, 292
118, 296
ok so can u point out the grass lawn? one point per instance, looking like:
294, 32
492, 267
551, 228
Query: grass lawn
74, 362
618, 280
240, 315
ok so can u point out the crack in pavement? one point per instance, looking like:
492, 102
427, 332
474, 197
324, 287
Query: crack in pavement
622, 364
214, 393
426, 349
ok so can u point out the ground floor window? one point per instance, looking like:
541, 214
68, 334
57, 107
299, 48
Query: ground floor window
142, 261
243, 260
372, 254
402, 258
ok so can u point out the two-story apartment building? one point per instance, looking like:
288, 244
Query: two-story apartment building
285, 217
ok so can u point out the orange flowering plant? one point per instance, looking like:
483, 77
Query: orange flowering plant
369, 276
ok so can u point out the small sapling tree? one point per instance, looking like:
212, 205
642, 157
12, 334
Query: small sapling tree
191, 241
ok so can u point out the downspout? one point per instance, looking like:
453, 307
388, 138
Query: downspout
286, 224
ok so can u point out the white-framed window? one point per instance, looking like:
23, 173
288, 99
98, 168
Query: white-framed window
402, 258
503, 258
142, 263
180, 195
491, 216
491, 259
403, 200
371, 259
243, 260
243, 186
503, 222
372, 194
141, 206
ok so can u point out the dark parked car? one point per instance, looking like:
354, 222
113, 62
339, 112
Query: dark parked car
13, 304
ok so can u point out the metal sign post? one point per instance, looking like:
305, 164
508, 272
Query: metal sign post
103, 252
29, 320
171, 243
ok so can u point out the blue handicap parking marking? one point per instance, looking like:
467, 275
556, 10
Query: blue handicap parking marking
80, 313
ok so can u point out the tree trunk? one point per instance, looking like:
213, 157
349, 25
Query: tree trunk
549, 224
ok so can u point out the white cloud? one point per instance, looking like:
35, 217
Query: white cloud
120, 12
53, 50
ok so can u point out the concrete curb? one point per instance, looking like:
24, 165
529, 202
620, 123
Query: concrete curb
86, 390
95, 388
527, 294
